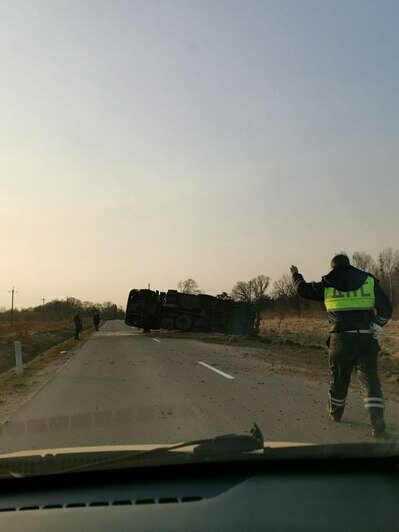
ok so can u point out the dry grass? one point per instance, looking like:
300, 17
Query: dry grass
22, 329
304, 331
314, 331
35, 336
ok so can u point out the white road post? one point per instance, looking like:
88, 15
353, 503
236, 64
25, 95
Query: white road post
18, 358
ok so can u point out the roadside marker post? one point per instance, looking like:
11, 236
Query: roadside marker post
19, 368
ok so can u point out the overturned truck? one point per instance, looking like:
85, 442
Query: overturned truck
149, 309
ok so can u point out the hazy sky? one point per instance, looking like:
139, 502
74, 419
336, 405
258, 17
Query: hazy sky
151, 141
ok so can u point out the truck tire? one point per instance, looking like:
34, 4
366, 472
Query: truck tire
183, 322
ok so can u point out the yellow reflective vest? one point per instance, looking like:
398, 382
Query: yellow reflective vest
361, 299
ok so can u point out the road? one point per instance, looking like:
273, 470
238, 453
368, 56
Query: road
123, 387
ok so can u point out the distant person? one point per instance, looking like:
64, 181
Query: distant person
96, 319
357, 309
78, 325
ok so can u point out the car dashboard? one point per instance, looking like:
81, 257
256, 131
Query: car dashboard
288, 495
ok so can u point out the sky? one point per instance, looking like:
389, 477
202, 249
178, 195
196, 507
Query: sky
152, 141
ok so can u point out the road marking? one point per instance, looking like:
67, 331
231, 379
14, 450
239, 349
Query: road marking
216, 370
156, 340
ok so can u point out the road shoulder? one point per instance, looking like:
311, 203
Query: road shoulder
16, 390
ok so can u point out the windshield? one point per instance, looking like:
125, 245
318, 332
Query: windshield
199, 225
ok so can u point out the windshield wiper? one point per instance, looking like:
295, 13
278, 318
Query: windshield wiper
228, 445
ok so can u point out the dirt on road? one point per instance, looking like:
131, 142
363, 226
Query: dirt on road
290, 358
284, 356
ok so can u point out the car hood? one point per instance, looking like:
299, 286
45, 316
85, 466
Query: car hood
124, 448
78, 459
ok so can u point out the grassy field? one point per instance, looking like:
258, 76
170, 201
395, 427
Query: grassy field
35, 338
314, 332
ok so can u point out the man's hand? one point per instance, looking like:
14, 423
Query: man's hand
293, 269
377, 330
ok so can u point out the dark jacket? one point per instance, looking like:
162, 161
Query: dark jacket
347, 279
78, 322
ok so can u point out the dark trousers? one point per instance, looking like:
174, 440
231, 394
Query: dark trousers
357, 351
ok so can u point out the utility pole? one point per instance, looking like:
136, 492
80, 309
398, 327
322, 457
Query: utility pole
12, 292
43, 301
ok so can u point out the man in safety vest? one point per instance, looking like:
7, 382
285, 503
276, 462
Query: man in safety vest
357, 310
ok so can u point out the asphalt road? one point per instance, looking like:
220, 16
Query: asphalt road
123, 387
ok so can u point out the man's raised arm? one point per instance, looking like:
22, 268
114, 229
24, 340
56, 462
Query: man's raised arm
313, 291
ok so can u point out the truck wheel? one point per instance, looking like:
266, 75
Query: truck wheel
183, 322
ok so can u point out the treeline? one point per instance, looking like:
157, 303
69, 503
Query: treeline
280, 296
61, 309
385, 267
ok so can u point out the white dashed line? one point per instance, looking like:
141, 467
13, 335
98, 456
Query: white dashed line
216, 370
156, 340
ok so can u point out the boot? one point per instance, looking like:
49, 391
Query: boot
378, 429
335, 415
377, 422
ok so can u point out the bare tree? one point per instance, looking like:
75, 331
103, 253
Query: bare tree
189, 286
223, 295
284, 290
388, 260
259, 287
253, 291
243, 291
364, 261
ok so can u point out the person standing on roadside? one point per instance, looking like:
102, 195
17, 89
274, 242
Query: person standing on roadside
96, 319
78, 325
357, 310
